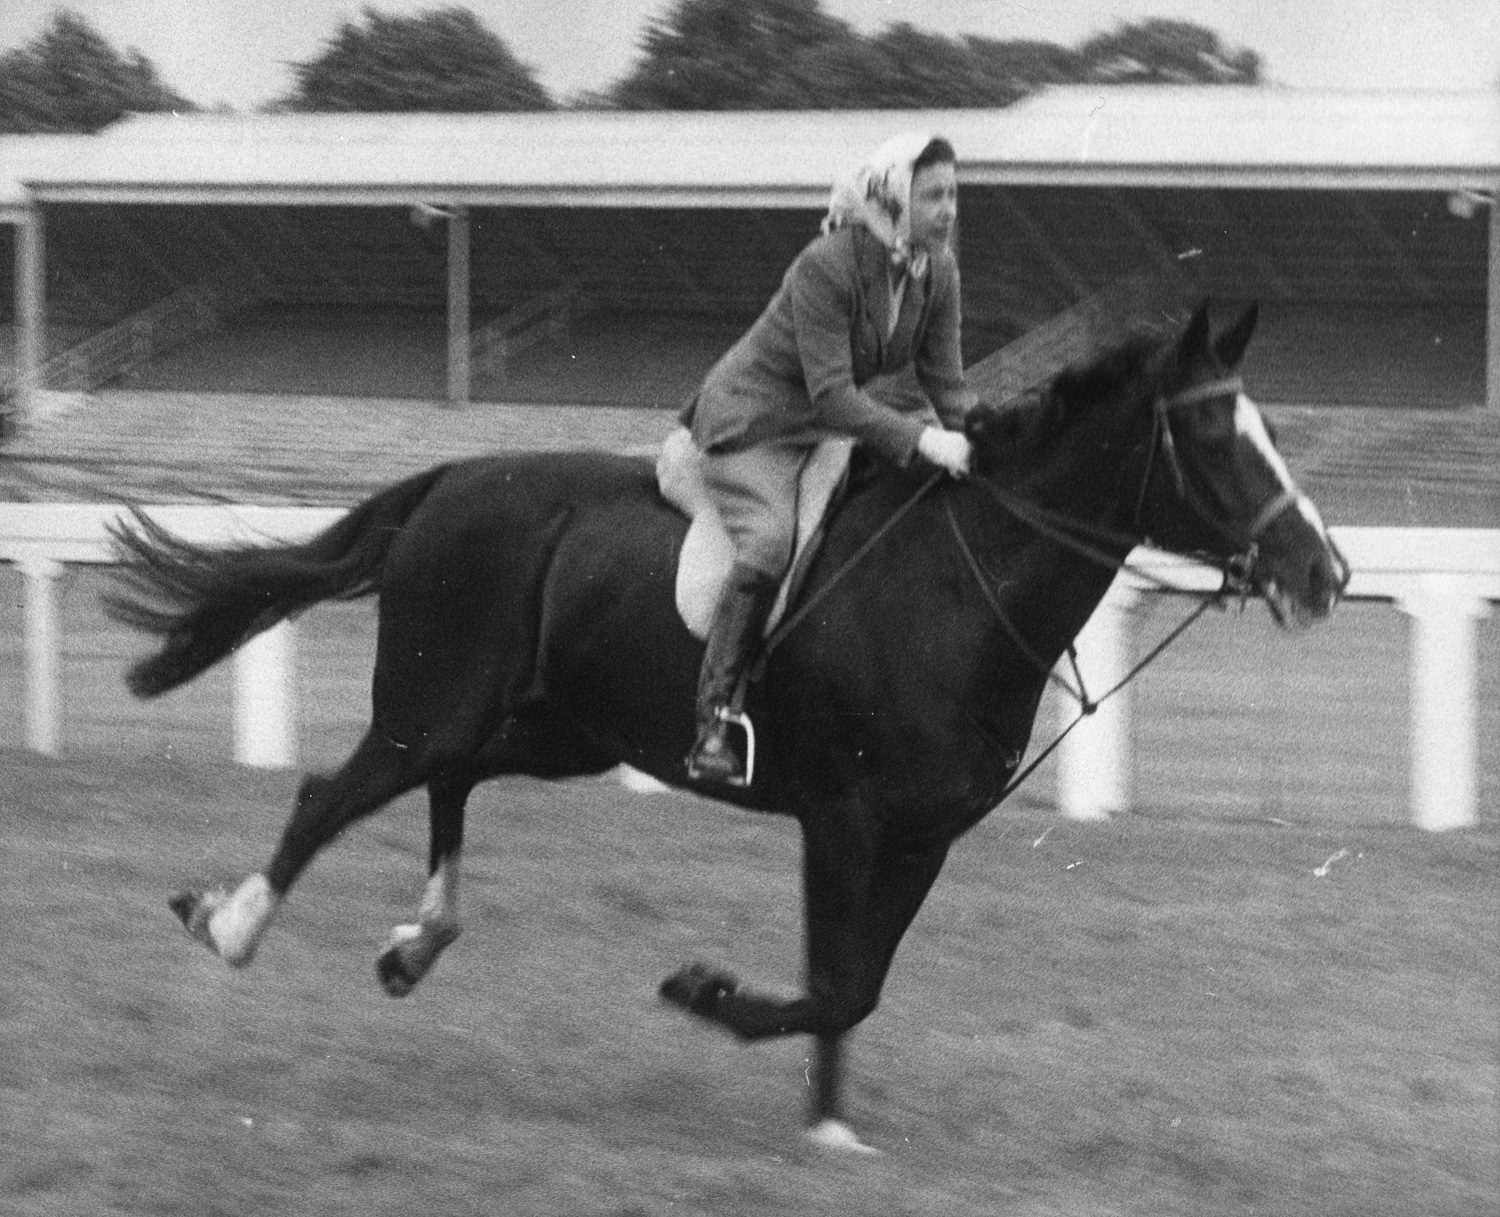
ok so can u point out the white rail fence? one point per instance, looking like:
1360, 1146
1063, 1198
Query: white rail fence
1443, 579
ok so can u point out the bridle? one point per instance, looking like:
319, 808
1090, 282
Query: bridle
1240, 566
1090, 540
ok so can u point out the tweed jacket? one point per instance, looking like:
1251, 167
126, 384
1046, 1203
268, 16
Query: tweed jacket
799, 373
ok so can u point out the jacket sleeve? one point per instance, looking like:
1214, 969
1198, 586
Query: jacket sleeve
939, 359
823, 314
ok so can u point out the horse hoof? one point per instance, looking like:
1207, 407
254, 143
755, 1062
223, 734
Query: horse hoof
838, 1137
410, 954
183, 904
194, 909
392, 973
698, 988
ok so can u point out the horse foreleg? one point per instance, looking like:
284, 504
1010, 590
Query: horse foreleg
860, 902
414, 947
899, 884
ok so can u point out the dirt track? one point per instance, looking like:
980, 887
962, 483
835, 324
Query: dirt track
1151, 1017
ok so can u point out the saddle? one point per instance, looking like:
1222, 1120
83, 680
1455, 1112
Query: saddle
708, 553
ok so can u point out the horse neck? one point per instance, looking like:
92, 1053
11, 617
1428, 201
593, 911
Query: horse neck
1091, 468
1089, 475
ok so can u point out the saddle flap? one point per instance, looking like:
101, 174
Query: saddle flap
707, 551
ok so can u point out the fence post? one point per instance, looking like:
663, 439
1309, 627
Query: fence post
31, 312
1443, 760
1093, 776
43, 717
265, 732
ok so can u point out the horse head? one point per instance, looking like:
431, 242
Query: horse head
1217, 486
1189, 464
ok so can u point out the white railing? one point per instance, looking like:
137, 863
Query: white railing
1443, 579
40, 538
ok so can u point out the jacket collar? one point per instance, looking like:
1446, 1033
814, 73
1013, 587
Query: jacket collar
879, 278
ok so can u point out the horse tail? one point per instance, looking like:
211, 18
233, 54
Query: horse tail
205, 601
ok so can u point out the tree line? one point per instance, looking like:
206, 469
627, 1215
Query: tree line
700, 55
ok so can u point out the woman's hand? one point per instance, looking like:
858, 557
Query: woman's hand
947, 449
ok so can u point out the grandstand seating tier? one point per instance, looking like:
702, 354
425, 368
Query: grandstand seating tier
1373, 301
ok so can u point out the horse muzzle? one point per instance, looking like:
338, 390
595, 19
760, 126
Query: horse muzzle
1299, 570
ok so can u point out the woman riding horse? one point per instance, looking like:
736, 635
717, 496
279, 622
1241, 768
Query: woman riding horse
875, 294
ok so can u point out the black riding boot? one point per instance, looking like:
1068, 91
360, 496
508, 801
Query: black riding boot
733, 638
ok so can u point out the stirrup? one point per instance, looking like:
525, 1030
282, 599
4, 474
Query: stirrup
735, 718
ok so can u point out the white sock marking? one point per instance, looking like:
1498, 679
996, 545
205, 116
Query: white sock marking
237, 926
836, 1135
440, 896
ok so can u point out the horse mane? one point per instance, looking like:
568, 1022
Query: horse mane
1037, 419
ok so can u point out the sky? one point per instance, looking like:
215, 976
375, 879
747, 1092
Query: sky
236, 52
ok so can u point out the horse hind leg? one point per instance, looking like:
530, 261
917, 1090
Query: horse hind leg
414, 947
231, 924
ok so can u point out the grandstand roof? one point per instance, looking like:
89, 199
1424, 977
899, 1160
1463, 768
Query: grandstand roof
1074, 136
25, 156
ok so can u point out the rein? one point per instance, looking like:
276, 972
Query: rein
1086, 705
1085, 540
790, 622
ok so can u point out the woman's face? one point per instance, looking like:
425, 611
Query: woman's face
934, 206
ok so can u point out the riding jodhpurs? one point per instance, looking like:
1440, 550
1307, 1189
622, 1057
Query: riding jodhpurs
756, 493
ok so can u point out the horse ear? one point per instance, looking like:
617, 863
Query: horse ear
1194, 340
1230, 345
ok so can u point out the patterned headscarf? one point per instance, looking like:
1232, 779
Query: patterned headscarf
877, 196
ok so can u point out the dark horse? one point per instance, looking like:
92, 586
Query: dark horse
527, 626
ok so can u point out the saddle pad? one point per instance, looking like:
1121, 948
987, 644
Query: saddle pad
707, 551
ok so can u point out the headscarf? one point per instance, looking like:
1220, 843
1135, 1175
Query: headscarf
877, 196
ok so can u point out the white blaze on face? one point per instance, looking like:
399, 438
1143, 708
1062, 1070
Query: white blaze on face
1249, 424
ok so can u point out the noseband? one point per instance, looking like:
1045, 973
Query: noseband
1240, 567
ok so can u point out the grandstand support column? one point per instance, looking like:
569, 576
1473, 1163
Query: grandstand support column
265, 728
31, 309
1492, 328
1093, 775
1443, 715
43, 702
458, 306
